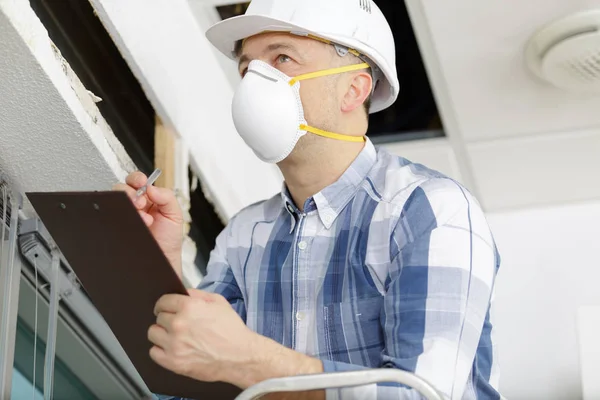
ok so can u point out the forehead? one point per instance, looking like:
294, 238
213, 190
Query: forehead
257, 45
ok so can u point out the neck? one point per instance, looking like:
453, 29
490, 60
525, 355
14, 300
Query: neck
315, 164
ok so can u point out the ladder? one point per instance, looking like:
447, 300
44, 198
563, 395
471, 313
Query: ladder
339, 380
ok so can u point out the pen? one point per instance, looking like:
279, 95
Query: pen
151, 179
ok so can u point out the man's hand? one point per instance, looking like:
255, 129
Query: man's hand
162, 214
202, 337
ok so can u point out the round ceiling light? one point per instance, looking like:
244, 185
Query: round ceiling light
566, 53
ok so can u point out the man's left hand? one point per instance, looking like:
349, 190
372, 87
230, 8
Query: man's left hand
201, 336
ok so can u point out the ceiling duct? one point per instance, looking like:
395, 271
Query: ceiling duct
566, 52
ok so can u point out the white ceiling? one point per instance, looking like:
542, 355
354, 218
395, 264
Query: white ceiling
524, 142
480, 45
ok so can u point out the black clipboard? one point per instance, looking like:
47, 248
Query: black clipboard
124, 271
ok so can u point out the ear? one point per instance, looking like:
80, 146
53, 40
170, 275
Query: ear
358, 91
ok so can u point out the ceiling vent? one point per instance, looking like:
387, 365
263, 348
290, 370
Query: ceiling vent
566, 53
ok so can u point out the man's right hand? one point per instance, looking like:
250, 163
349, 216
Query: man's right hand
162, 214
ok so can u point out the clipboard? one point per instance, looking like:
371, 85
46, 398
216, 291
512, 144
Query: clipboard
124, 272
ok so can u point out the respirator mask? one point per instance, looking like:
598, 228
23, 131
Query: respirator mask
268, 113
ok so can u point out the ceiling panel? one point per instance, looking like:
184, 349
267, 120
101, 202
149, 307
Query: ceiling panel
480, 46
524, 172
433, 153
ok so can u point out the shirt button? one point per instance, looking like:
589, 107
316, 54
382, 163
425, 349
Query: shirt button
299, 316
328, 218
290, 208
302, 245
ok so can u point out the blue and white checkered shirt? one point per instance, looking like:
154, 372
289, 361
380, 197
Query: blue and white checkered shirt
392, 266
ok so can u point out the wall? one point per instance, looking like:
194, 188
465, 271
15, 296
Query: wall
53, 137
550, 269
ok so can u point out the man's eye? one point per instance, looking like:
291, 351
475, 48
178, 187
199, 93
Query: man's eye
282, 58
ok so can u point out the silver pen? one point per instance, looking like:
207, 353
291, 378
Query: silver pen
151, 179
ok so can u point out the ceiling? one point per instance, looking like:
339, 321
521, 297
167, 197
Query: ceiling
480, 48
513, 140
525, 142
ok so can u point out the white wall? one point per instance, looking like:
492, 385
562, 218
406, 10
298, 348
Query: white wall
550, 269
52, 135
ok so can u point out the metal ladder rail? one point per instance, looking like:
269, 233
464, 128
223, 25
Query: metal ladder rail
339, 380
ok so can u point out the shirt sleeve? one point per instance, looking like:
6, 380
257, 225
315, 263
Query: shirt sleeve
438, 293
220, 278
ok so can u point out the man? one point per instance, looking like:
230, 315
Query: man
364, 260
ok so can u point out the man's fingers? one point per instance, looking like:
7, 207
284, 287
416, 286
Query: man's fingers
140, 203
163, 199
136, 179
171, 303
165, 320
158, 336
147, 218
166, 202
121, 187
159, 356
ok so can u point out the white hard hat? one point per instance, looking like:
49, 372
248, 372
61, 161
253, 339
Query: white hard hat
357, 25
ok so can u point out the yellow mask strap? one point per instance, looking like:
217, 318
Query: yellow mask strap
326, 72
332, 135
332, 71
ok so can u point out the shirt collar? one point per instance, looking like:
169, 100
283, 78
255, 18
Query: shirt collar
289, 206
330, 201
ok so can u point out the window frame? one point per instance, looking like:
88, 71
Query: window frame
87, 355
78, 318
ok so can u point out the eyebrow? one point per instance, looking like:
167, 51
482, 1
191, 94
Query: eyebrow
270, 48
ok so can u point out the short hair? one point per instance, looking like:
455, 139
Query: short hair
237, 49
369, 98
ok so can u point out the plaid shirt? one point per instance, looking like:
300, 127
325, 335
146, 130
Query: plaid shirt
392, 266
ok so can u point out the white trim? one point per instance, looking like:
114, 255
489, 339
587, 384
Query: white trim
439, 85
206, 15
588, 329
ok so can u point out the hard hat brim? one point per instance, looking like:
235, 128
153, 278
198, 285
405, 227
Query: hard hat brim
225, 34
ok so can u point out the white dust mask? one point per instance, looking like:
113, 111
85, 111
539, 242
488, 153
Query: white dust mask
268, 113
